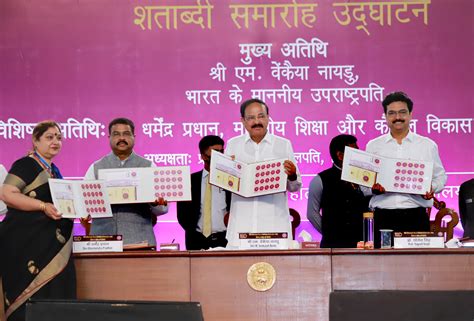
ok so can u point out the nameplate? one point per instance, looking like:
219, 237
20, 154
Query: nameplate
169, 247
94, 243
263, 241
310, 245
469, 243
417, 240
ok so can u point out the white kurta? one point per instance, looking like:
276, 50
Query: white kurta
268, 213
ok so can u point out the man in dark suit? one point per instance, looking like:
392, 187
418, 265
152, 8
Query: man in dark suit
466, 207
341, 203
202, 218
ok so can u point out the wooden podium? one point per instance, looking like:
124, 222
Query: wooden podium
304, 278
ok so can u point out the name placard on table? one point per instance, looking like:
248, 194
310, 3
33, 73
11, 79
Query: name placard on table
417, 240
248, 180
264, 241
94, 243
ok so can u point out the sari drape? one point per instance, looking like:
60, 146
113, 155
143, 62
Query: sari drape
35, 249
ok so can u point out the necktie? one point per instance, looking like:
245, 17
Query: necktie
207, 218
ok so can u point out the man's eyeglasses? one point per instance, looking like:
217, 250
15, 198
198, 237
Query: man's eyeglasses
126, 134
253, 117
401, 113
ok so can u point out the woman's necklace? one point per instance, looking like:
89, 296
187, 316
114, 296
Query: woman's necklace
43, 163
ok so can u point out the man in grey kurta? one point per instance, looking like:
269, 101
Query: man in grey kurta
133, 221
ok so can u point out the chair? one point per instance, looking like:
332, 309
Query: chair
437, 225
295, 222
86, 225
466, 207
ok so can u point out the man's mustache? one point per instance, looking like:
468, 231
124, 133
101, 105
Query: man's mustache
257, 125
398, 121
122, 141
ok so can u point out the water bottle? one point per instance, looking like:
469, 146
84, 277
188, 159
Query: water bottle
368, 232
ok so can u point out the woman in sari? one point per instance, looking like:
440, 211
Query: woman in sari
35, 241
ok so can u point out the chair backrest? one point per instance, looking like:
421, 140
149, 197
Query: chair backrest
295, 222
87, 226
466, 207
437, 225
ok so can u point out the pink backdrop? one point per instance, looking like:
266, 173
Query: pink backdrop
85, 62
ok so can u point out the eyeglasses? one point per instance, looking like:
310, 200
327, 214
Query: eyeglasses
401, 113
253, 117
126, 134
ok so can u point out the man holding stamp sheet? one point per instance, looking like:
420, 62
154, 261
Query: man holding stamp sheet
265, 213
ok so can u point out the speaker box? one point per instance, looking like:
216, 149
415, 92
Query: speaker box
401, 306
88, 310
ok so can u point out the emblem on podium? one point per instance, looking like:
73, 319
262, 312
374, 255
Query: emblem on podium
261, 276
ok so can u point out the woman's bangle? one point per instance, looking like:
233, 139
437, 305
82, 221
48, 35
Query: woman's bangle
43, 206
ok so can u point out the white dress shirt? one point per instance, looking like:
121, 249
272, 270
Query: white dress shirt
413, 147
267, 213
218, 205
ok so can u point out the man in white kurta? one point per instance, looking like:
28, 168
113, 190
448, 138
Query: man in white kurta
403, 212
267, 213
